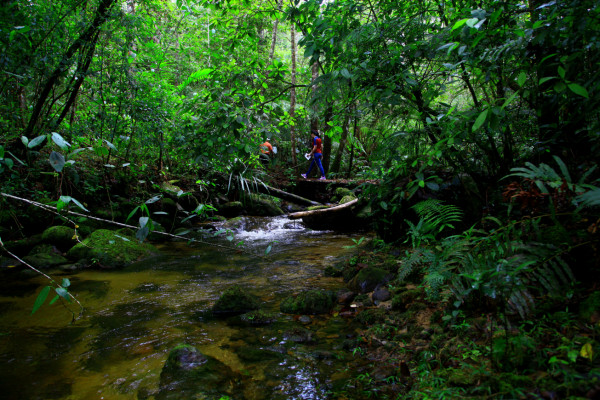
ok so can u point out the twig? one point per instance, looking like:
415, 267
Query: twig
43, 274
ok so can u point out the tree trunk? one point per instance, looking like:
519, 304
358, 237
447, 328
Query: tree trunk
86, 42
293, 96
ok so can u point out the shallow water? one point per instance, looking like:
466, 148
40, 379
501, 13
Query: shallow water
134, 317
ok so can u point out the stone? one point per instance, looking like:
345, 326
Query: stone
111, 249
309, 302
367, 279
63, 237
235, 300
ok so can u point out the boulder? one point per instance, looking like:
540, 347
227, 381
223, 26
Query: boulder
309, 302
231, 209
235, 300
111, 249
63, 237
262, 206
45, 256
188, 373
368, 278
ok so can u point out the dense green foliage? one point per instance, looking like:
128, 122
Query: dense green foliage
488, 111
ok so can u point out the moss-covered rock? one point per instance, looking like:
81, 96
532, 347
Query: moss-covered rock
188, 373
368, 278
262, 206
63, 237
235, 300
231, 209
342, 192
309, 302
403, 300
346, 199
111, 249
258, 317
45, 256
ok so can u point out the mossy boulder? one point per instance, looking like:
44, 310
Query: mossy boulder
368, 278
309, 302
45, 256
188, 373
262, 206
342, 192
403, 300
231, 209
346, 199
111, 249
235, 300
63, 237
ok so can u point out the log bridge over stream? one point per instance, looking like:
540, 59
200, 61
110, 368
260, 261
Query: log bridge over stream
316, 194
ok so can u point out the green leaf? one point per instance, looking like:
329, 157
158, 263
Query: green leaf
65, 283
546, 79
38, 140
522, 78
54, 299
24, 140
60, 142
268, 249
57, 161
143, 221
78, 204
40, 299
480, 120
459, 23
578, 89
62, 292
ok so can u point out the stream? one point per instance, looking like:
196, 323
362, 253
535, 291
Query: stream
133, 317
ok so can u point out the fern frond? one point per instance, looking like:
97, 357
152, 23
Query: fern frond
436, 215
590, 198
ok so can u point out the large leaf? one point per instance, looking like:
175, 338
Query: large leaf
578, 89
37, 141
480, 120
41, 298
60, 141
57, 161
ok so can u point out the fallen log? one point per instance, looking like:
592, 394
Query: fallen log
286, 196
323, 211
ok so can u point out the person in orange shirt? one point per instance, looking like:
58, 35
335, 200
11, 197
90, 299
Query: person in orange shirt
266, 150
317, 154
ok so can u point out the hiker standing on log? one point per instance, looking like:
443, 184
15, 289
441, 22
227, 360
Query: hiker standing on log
316, 153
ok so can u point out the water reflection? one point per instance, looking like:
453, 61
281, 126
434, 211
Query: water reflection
136, 315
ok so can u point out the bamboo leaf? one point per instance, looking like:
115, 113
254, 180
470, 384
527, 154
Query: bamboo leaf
480, 120
40, 298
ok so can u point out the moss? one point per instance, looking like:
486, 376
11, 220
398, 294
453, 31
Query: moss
258, 317
367, 279
44, 256
235, 300
111, 249
60, 236
346, 199
590, 307
309, 302
371, 316
462, 378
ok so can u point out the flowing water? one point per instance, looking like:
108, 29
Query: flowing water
135, 316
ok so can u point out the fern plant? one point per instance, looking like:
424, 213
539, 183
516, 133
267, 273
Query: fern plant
435, 216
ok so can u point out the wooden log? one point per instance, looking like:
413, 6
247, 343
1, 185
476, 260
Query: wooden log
286, 196
322, 211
